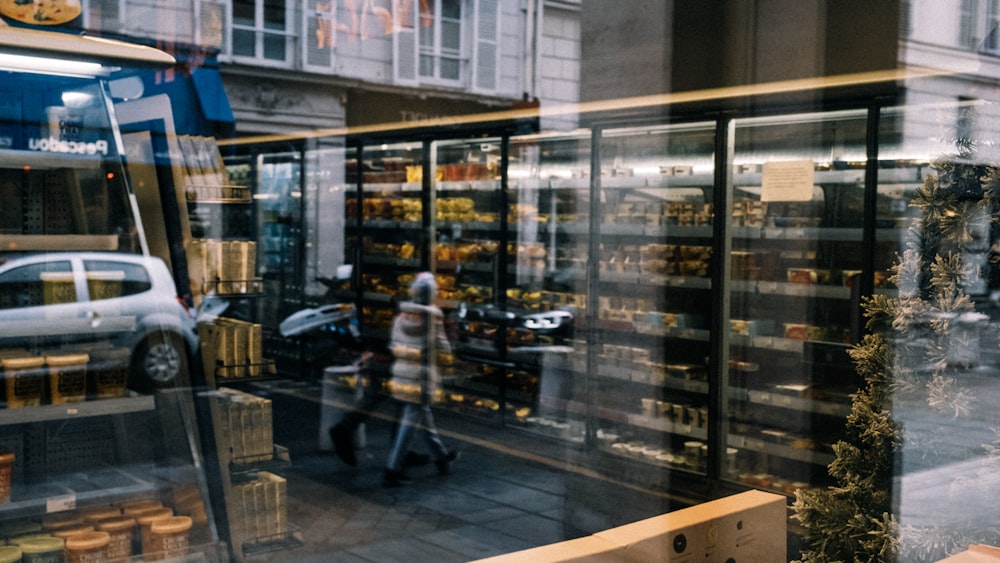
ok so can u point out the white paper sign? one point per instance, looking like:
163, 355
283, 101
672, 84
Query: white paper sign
787, 181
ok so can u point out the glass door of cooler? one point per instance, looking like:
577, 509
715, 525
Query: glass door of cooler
387, 247
650, 305
468, 258
547, 240
796, 267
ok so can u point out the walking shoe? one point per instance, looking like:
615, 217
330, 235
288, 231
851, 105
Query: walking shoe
395, 479
444, 464
413, 459
343, 443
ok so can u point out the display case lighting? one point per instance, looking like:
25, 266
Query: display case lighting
77, 100
50, 65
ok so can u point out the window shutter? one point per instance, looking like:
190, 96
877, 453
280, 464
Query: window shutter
967, 23
485, 45
211, 23
406, 53
321, 33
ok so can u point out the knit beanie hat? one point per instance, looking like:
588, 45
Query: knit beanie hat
423, 290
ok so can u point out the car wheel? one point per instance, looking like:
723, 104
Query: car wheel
159, 361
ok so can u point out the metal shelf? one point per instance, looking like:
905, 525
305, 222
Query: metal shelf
99, 407
70, 491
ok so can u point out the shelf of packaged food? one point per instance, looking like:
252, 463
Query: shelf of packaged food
812, 291
668, 426
216, 193
658, 280
66, 492
650, 455
685, 178
487, 268
699, 334
385, 187
780, 344
479, 226
780, 399
487, 391
467, 185
387, 224
762, 446
98, 407
774, 343
381, 260
646, 375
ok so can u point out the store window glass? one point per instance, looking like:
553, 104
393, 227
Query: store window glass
937, 210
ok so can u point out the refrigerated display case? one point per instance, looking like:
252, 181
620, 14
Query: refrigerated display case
653, 289
608, 237
98, 412
385, 240
795, 272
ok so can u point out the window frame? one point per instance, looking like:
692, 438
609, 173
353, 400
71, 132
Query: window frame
479, 32
261, 33
311, 12
436, 52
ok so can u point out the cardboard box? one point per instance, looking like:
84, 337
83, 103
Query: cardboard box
977, 553
749, 526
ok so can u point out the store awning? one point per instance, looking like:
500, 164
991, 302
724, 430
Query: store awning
212, 95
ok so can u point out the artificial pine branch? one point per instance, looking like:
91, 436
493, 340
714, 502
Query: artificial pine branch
907, 360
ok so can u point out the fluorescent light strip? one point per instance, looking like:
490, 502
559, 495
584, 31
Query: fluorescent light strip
46, 65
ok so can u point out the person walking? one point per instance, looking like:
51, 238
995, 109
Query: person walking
417, 336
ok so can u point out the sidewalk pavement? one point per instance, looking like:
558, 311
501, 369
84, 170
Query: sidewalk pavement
498, 499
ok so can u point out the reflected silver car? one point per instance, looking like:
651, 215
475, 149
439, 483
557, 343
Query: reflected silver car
67, 300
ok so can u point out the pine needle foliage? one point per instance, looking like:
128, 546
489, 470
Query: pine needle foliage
907, 360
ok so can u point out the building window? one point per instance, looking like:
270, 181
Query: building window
967, 18
441, 41
992, 42
447, 42
262, 31
321, 27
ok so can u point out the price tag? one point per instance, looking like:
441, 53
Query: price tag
686, 429
773, 233
785, 401
71, 412
60, 503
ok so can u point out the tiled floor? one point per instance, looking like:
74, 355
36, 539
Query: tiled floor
494, 502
